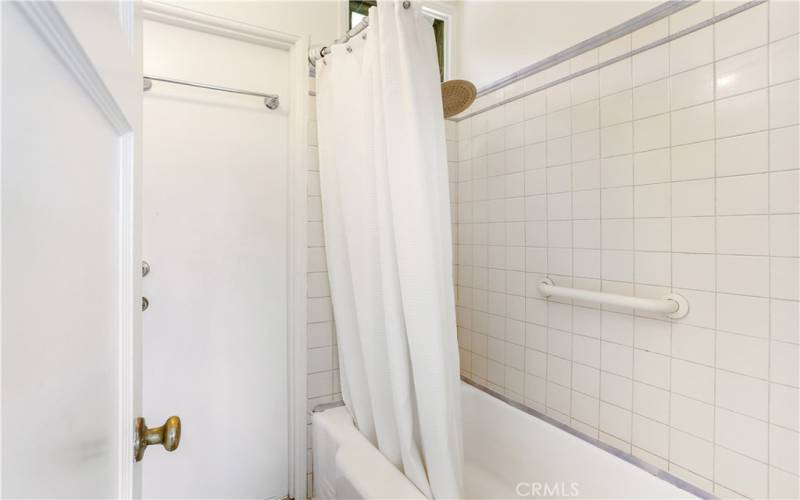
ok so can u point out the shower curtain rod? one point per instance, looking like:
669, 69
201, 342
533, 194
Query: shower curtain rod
271, 101
318, 52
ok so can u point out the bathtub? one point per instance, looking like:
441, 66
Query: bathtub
508, 453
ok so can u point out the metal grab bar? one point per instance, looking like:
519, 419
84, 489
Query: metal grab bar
673, 305
271, 101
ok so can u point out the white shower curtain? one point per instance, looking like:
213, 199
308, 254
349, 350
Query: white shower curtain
385, 200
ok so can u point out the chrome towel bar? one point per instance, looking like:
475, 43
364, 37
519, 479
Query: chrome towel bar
271, 101
671, 304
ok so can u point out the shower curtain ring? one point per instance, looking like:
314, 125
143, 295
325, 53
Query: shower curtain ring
406, 4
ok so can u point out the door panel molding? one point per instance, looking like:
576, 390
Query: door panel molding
198, 21
53, 28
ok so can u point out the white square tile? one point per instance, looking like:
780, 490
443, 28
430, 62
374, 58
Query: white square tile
693, 124
559, 151
558, 398
617, 203
586, 234
742, 73
740, 473
692, 416
743, 194
586, 175
586, 116
784, 148
650, 65
585, 87
651, 368
742, 434
783, 484
616, 171
692, 453
653, 268
534, 105
693, 198
783, 60
651, 402
743, 235
693, 343
651, 133
617, 328
691, 51
742, 114
617, 265
784, 19
652, 200
784, 104
652, 234
558, 124
586, 146
743, 354
784, 364
784, 317
743, 274
692, 380
693, 271
743, 314
651, 99
616, 140
743, 154
783, 448
586, 379
692, 87
742, 394
652, 335
651, 436
616, 359
617, 234
741, 32
558, 97
652, 166
616, 108
585, 408
784, 235
693, 234
616, 390
586, 204
615, 77
615, 421
783, 406
693, 161
784, 192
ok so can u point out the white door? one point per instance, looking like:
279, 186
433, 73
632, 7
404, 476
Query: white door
215, 236
71, 104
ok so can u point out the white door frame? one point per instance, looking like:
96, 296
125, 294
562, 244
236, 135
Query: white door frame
297, 103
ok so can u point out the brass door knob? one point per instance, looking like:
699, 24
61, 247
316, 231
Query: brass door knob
168, 435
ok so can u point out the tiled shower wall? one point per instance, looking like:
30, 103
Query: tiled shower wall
322, 356
672, 170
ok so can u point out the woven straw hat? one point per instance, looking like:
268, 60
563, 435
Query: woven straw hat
457, 95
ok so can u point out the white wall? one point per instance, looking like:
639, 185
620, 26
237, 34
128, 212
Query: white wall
497, 38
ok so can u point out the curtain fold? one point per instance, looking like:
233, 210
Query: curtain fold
386, 213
